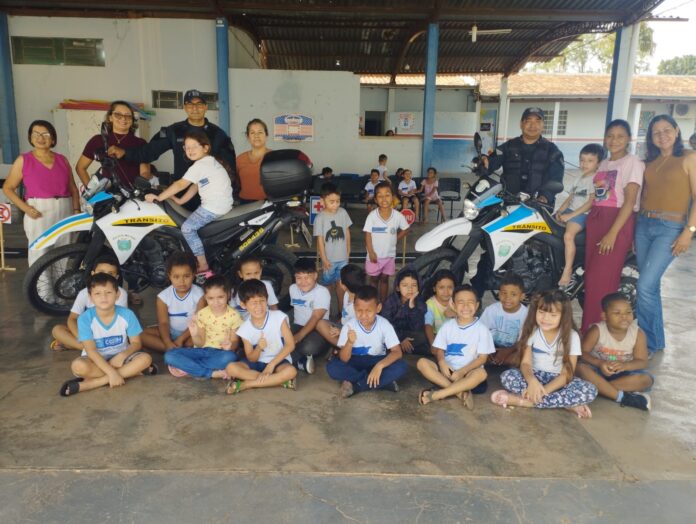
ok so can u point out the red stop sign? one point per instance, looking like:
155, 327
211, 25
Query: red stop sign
409, 215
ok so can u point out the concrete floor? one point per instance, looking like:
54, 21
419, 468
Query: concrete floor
170, 450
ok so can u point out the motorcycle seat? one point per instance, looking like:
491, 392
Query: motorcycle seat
558, 228
238, 214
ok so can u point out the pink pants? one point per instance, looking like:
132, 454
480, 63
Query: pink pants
603, 272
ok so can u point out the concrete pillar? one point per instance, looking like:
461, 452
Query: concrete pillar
223, 80
503, 111
391, 102
478, 116
429, 97
625, 48
9, 140
634, 126
554, 127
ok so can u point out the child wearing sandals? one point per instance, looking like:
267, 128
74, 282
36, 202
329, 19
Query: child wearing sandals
110, 337
461, 348
250, 267
615, 355
214, 333
65, 335
175, 306
267, 341
549, 355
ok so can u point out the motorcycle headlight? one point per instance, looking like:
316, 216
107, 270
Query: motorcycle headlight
470, 210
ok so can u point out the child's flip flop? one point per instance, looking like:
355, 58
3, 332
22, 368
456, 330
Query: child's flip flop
425, 393
233, 387
56, 346
151, 371
70, 387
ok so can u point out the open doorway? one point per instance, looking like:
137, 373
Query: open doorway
374, 123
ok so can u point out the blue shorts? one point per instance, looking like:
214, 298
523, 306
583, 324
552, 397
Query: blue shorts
333, 274
623, 374
260, 366
579, 220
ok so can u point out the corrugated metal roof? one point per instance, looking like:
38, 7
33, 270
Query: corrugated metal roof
383, 36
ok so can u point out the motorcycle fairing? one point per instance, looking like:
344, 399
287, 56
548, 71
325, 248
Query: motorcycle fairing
71, 224
436, 236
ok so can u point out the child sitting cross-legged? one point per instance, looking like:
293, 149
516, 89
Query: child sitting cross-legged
461, 348
440, 305
214, 333
615, 355
363, 362
250, 267
175, 306
550, 350
405, 310
505, 319
65, 335
267, 341
110, 337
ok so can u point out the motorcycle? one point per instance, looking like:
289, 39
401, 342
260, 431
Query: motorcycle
512, 233
142, 235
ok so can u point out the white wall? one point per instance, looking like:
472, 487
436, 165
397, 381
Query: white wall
243, 52
141, 56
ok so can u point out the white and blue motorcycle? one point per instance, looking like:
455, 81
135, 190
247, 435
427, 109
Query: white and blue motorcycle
509, 233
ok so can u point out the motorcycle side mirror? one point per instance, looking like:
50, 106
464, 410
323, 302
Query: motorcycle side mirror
552, 186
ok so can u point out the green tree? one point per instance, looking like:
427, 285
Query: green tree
679, 65
598, 49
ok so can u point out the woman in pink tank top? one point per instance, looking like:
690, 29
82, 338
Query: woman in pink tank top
51, 193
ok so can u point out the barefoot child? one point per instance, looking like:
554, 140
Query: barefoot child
208, 178
573, 212
65, 335
384, 227
363, 362
615, 355
440, 305
267, 341
505, 319
214, 333
175, 306
405, 310
461, 348
551, 350
110, 337
249, 267
332, 231
430, 195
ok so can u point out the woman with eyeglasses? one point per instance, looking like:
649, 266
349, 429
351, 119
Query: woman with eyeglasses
611, 220
121, 125
50, 191
666, 221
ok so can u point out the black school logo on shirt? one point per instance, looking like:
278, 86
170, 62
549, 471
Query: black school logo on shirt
335, 234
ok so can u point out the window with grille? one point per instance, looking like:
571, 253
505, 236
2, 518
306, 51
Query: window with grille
58, 51
175, 99
562, 122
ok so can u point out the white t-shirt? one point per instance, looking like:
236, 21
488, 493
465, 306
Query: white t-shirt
304, 304
83, 301
462, 344
581, 191
179, 308
214, 184
505, 327
348, 310
384, 232
382, 172
374, 342
272, 332
272, 300
405, 187
370, 189
549, 357
112, 339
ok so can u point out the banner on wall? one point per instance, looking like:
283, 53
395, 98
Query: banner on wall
406, 120
293, 128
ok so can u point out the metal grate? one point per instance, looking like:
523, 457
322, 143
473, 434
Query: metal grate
58, 51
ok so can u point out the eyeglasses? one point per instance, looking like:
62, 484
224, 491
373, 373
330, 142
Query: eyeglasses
45, 135
197, 105
121, 116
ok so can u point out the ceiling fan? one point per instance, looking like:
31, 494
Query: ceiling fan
475, 32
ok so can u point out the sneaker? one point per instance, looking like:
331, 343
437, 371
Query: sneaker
306, 364
346, 389
636, 400
394, 387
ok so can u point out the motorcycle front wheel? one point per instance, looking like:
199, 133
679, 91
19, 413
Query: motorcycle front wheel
54, 280
427, 264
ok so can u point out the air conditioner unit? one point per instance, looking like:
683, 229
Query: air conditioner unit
683, 111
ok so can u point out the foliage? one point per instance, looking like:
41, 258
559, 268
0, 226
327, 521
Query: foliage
679, 65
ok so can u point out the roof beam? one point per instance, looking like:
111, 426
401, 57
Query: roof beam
406, 44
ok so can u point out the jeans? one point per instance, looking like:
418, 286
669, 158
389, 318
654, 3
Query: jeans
199, 362
199, 218
654, 239
576, 393
358, 368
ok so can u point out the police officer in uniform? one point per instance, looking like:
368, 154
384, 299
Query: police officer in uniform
172, 137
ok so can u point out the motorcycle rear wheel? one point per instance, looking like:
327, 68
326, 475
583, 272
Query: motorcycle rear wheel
427, 264
54, 280
278, 267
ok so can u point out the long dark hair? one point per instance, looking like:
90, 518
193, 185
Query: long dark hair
652, 150
204, 140
547, 301
110, 111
